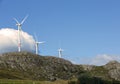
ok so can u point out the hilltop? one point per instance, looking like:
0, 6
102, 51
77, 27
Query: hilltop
28, 66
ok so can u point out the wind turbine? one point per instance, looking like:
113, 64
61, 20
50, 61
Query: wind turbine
19, 31
37, 45
60, 50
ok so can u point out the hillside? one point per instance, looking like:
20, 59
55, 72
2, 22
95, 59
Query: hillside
28, 66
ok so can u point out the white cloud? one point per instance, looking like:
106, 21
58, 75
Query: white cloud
103, 59
9, 41
96, 60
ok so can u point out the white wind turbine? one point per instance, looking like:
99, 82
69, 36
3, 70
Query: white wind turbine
19, 31
37, 45
60, 50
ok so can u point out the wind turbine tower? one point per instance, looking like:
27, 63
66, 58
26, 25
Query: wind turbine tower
19, 25
60, 52
37, 45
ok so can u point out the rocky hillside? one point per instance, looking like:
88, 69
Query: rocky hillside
26, 65
30, 66
110, 71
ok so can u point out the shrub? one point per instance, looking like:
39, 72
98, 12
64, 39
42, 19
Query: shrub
87, 79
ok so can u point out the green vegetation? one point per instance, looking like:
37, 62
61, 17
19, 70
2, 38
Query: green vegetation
99, 71
87, 79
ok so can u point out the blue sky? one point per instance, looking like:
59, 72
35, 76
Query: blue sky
83, 28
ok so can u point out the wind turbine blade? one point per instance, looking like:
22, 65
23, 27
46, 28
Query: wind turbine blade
24, 19
41, 42
16, 20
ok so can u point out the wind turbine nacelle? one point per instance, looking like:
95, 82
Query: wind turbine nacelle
18, 24
60, 49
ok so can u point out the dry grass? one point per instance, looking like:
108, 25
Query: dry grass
4, 81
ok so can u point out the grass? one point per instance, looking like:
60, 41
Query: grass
99, 71
8, 81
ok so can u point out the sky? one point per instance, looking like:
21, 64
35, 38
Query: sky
87, 30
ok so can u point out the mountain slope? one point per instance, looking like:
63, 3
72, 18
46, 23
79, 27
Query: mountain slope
30, 66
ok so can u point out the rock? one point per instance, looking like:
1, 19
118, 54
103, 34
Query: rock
113, 68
